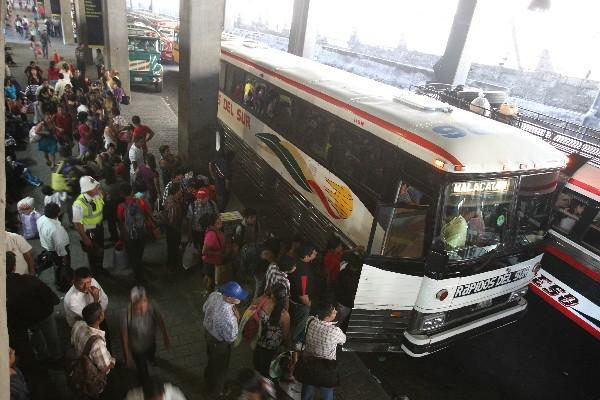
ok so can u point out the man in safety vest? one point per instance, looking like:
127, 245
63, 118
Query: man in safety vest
87, 218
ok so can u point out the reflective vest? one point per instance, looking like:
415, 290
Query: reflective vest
90, 217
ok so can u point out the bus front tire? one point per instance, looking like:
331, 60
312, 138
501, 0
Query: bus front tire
158, 87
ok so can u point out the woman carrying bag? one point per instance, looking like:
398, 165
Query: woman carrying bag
317, 367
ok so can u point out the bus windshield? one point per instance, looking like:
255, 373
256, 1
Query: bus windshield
475, 216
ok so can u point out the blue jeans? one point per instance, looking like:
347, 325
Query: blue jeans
309, 391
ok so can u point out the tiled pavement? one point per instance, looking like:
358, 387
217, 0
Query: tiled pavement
179, 295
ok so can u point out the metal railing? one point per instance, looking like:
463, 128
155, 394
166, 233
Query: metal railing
566, 136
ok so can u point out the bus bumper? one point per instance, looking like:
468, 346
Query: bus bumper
422, 345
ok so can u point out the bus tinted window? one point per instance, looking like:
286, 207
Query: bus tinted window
401, 232
351, 153
592, 236
568, 208
534, 206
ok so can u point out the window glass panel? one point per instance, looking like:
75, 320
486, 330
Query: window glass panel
400, 232
534, 206
475, 216
592, 235
568, 208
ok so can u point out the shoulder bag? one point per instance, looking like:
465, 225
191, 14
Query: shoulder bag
319, 372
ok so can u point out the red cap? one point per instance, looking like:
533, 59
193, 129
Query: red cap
202, 194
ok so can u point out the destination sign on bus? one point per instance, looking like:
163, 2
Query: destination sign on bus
498, 185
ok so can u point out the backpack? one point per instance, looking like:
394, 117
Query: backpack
135, 220
252, 327
83, 375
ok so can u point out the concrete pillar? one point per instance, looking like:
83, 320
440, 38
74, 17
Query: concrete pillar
66, 22
115, 51
4, 373
199, 66
454, 65
303, 33
80, 19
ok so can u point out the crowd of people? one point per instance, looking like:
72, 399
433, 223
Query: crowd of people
274, 293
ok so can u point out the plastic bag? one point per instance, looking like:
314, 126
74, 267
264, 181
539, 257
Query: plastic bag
119, 265
480, 105
33, 136
191, 256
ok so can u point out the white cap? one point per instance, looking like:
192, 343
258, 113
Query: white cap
87, 183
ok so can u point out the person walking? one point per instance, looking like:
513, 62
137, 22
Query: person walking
172, 218
45, 43
221, 318
89, 339
99, 63
80, 53
134, 215
88, 210
139, 325
321, 341
48, 143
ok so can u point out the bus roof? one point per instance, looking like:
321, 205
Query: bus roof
452, 139
586, 180
139, 29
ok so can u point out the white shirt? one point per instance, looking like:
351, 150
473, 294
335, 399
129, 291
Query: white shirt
56, 198
135, 154
60, 86
171, 393
53, 237
18, 245
75, 301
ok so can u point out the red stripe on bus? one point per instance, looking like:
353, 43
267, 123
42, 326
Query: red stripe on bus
585, 186
572, 316
434, 148
541, 187
573, 262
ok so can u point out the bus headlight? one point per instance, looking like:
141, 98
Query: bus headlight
433, 321
517, 294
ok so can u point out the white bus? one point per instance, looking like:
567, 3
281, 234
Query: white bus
570, 276
443, 199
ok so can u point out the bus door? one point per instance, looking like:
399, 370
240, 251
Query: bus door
391, 276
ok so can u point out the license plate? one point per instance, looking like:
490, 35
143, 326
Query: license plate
137, 79
483, 304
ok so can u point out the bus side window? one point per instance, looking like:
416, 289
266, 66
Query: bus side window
400, 232
567, 210
592, 236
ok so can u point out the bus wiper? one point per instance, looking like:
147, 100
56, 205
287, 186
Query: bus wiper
488, 258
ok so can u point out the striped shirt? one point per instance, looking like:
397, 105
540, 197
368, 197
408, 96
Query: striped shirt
274, 276
99, 354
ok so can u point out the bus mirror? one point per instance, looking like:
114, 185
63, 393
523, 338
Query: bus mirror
437, 259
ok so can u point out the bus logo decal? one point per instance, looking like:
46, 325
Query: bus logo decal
337, 198
491, 283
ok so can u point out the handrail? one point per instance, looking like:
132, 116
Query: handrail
566, 136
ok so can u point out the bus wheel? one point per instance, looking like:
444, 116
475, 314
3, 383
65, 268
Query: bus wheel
158, 87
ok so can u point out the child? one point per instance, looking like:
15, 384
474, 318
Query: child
28, 217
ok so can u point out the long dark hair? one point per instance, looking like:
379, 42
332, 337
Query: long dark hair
279, 293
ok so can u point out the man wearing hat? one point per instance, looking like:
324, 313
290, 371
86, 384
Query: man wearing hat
87, 218
200, 207
220, 329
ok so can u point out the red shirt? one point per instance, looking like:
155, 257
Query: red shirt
53, 74
65, 122
140, 130
85, 134
121, 208
332, 265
